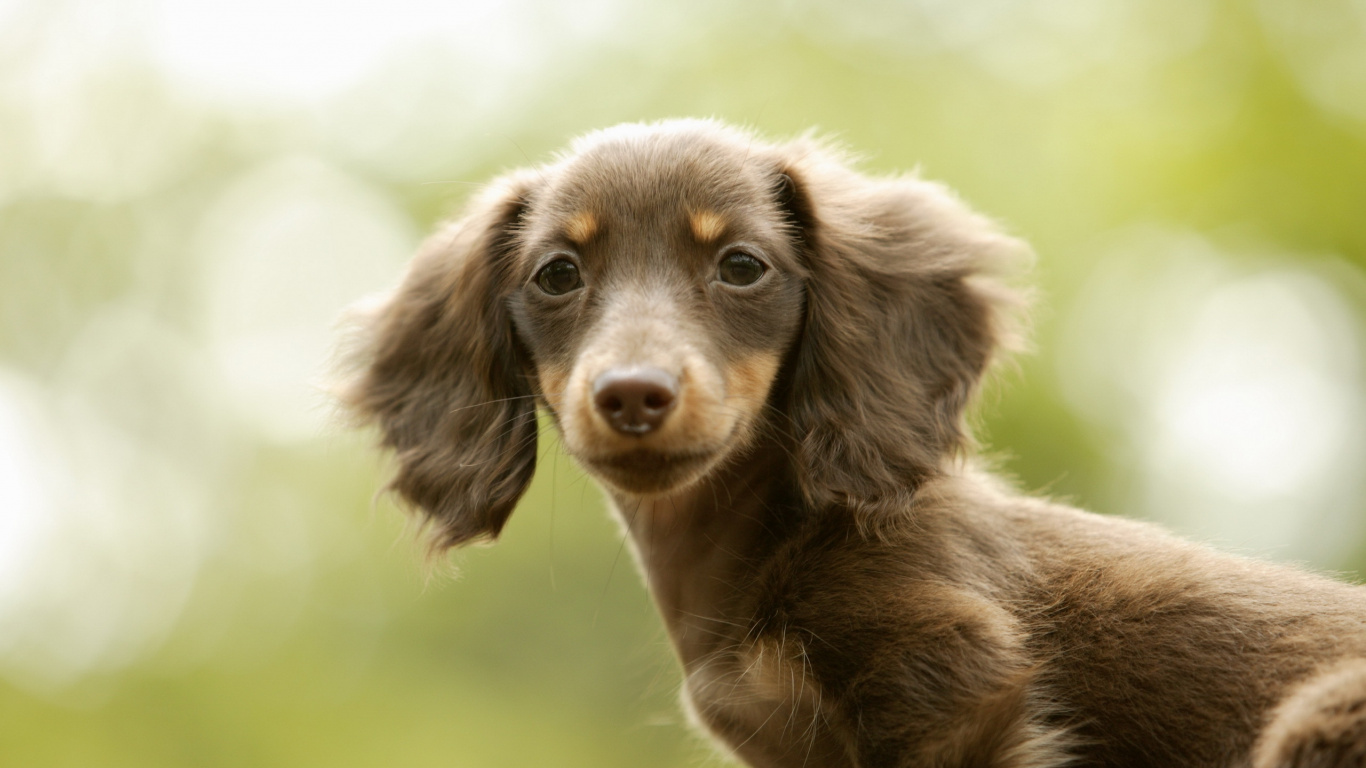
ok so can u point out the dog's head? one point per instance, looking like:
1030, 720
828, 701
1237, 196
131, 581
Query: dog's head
675, 295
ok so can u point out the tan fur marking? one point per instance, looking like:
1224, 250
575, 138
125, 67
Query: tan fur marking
706, 225
553, 381
749, 379
581, 227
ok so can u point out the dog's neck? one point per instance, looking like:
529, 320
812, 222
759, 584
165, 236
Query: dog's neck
697, 545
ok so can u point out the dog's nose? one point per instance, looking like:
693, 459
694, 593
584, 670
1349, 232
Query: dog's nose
635, 401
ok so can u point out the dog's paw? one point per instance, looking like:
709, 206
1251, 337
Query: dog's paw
1320, 725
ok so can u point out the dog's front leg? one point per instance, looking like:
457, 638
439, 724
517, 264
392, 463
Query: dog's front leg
950, 687
1002, 730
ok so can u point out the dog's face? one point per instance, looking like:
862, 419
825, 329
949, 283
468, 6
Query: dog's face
658, 288
666, 292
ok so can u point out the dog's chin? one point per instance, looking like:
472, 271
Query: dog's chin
648, 472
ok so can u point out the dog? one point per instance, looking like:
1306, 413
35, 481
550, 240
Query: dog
764, 357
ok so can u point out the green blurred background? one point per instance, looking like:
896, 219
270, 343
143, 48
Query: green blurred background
192, 570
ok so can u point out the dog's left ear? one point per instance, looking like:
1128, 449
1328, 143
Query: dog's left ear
903, 315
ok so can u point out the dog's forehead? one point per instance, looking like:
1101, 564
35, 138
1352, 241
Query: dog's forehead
654, 178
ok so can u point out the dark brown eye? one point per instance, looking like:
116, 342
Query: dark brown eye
559, 277
740, 268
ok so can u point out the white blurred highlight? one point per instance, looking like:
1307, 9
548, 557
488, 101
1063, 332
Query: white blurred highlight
283, 250
106, 521
303, 52
86, 117
26, 490
1237, 394
1259, 392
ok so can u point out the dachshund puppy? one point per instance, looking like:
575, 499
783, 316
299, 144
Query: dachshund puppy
764, 358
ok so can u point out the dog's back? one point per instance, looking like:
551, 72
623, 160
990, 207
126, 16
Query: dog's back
1178, 655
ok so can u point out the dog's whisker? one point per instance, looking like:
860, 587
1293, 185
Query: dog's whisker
630, 523
527, 158
511, 427
513, 398
554, 488
516, 446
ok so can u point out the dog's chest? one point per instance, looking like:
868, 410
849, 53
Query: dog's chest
761, 699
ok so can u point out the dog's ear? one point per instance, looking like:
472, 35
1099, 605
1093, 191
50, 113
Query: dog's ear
438, 369
903, 315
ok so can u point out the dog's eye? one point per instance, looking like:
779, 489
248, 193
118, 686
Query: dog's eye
740, 269
559, 277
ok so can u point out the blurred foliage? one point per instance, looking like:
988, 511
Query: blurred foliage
192, 571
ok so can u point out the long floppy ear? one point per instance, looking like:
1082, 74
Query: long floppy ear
441, 373
903, 316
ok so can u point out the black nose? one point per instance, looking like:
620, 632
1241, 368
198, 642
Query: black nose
635, 400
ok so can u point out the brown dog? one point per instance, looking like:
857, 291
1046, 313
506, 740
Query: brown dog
764, 357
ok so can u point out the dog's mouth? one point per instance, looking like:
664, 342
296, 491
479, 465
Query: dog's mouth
650, 471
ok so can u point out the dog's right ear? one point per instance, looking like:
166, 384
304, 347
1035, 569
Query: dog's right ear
437, 367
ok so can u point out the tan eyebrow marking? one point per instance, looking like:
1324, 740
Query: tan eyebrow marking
706, 225
581, 227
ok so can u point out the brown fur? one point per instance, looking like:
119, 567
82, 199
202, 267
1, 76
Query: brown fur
842, 588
